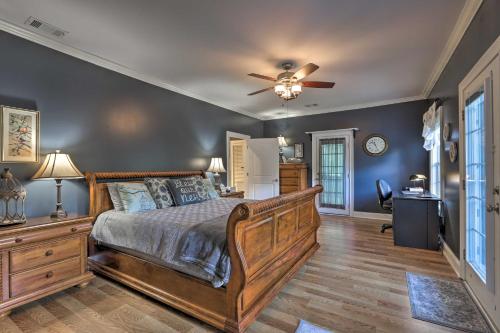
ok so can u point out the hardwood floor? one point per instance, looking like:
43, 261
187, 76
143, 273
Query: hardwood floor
354, 283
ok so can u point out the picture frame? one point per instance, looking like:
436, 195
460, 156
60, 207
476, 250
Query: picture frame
446, 131
453, 152
20, 135
298, 150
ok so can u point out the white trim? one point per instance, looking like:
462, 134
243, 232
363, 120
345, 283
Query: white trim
451, 258
230, 135
356, 106
481, 308
349, 135
372, 216
111, 65
464, 19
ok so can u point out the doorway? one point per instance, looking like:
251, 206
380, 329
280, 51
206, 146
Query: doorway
236, 160
332, 167
253, 165
479, 95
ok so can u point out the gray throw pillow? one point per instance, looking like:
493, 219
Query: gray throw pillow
115, 197
211, 192
188, 190
159, 191
135, 197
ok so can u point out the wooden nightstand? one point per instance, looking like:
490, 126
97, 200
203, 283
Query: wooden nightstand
236, 194
42, 257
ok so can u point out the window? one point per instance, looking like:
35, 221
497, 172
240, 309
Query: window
435, 160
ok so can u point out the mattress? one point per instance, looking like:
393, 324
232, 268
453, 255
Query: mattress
163, 235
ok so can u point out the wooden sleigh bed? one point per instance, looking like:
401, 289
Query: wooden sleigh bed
268, 242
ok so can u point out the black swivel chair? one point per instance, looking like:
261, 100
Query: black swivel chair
384, 192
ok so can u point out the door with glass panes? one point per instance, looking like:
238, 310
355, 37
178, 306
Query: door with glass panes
480, 171
332, 169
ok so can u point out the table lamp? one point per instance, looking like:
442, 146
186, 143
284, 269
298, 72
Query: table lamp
216, 166
58, 166
418, 177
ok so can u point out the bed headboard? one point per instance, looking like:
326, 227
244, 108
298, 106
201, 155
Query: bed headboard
99, 199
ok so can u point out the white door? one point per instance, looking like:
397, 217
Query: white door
263, 168
332, 168
480, 170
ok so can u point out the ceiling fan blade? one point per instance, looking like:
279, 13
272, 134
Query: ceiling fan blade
305, 71
259, 76
260, 91
317, 84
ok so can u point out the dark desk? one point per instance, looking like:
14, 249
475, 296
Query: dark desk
415, 221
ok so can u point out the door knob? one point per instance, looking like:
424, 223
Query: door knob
491, 208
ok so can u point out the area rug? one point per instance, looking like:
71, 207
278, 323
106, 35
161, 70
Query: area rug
444, 302
307, 327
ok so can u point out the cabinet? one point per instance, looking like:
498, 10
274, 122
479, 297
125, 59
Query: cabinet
42, 257
293, 177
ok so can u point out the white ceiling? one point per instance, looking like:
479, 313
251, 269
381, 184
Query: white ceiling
377, 51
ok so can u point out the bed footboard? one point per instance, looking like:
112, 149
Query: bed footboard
268, 243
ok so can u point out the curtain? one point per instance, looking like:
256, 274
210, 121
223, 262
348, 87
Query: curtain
431, 120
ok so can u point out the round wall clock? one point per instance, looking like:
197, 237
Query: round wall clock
453, 152
375, 144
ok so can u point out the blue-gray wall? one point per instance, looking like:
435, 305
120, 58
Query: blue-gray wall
106, 121
400, 123
482, 32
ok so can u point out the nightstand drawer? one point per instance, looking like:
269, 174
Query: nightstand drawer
43, 235
289, 181
44, 253
44, 276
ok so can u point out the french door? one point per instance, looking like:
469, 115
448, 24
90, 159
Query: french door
480, 171
332, 161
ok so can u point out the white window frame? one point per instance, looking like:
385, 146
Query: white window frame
435, 158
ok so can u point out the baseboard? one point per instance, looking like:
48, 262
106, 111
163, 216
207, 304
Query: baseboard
451, 258
373, 216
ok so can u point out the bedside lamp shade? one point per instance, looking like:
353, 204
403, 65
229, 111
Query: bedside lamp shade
216, 165
58, 166
282, 141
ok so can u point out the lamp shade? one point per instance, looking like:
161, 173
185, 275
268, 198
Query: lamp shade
216, 165
418, 176
282, 141
57, 166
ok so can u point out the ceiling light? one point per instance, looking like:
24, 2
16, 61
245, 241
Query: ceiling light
296, 89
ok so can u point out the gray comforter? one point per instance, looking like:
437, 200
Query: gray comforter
190, 239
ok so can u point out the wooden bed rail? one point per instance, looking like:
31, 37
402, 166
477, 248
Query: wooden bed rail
268, 241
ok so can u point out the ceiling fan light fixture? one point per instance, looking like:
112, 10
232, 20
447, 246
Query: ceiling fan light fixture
279, 89
296, 89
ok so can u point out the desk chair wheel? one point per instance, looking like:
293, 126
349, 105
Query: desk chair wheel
385, 226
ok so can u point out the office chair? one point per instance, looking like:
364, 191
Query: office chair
384, 192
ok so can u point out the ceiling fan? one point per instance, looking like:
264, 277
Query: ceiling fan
289, 84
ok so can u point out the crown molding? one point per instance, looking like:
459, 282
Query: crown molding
110, 65
356, 106
464, 19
